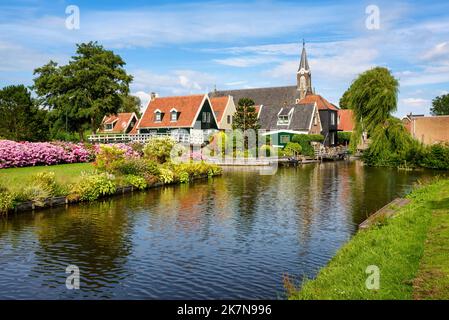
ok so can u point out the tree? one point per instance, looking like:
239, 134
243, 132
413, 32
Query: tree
90, 86
344, 103
373, 97
21, 119
131, 104
245, 116
440, 105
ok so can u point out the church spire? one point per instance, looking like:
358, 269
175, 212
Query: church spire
304, 63
304, 76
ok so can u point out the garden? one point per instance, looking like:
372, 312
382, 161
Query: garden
81, 172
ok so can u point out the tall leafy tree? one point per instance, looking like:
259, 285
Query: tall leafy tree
20, 118
372, 97
90, 86
245, 116
131, 104
440, 105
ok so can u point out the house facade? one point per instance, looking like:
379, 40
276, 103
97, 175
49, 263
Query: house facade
345, 120
121, 123
428, 130
282, 123
299, 94
224, 109
172, 115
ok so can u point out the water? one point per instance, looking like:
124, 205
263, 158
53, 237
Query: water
230, 237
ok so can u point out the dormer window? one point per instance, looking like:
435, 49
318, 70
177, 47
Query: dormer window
283, 119
157, 115
173, 115
284, 116
109, 126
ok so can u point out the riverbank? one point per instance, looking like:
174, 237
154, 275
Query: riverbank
114, 172
410, 251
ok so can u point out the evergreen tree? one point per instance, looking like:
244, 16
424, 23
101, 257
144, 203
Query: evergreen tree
245, 116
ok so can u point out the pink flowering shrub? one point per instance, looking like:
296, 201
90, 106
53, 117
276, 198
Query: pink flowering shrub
25, 154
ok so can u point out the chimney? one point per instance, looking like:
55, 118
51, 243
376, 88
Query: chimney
154, 95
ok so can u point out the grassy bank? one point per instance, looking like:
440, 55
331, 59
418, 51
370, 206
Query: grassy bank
16, 178
409, 249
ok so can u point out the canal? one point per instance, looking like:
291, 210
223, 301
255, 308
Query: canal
231, 237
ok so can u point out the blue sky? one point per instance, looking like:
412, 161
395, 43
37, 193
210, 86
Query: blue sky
183, 47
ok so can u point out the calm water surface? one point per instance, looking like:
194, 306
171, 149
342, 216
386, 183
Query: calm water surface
230, 237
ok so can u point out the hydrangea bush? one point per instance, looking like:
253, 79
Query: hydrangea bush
26, 154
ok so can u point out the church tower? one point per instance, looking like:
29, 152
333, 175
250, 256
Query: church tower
304, 76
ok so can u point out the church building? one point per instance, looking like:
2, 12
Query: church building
292, 97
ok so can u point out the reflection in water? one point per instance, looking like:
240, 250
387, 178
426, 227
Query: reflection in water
231, 237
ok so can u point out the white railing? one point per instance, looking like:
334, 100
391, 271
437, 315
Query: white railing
144, 137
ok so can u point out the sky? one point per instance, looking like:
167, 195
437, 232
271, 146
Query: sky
186, 47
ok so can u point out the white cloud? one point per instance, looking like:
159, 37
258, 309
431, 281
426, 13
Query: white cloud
15, 57
175, 82
174, 24
415, 102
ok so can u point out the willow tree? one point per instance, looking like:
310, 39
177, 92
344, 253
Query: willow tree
373, 97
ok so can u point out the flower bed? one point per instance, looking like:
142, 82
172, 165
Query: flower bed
27, 154
23, 154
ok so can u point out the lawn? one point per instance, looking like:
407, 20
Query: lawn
410, 250
16, 178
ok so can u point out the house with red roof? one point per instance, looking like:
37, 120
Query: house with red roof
345, 120
179, 114
120, 123
224, 108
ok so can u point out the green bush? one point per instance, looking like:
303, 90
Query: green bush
184, 177
37, 193
91, 187
137, 167
344, 137
292, 149
166, 175
136, 181
304, 140
47, 181
436, 157
159, 149
213, 170
6, 200
109, 158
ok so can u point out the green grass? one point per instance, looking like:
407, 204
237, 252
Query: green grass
396, 248
432, 281
16, 178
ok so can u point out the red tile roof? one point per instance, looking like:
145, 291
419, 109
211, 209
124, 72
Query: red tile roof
121, 121
321, 103
219, 105
346, 120
187, 107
